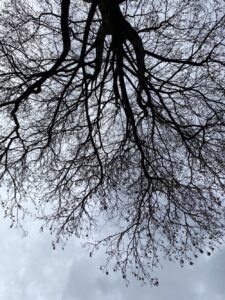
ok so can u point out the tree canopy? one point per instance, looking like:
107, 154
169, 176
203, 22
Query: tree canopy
113, 112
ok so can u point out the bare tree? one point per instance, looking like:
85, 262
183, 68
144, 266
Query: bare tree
114, 111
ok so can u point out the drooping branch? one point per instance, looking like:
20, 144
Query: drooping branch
123, 118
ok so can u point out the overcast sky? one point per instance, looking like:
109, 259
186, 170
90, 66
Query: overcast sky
30, 269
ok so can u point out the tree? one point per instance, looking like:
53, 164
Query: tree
114, 112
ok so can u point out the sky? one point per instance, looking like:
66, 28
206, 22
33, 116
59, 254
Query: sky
31, 269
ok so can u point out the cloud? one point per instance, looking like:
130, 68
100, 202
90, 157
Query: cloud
30, 269
203, 281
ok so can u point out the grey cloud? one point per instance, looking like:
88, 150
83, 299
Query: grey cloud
30, 269
203, 281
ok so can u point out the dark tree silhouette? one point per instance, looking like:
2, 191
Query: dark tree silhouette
113, 112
